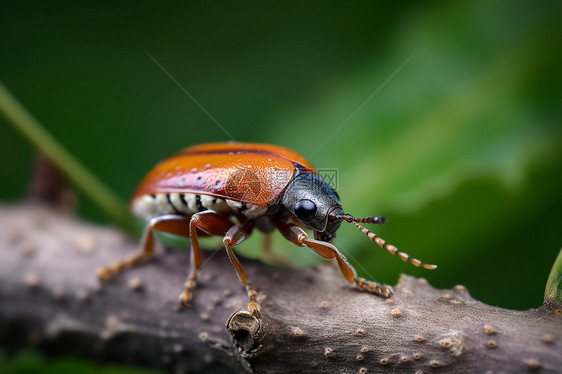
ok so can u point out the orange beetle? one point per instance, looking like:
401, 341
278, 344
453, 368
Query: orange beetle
263, 186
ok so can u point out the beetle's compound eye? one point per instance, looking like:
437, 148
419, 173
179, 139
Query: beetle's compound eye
305, 209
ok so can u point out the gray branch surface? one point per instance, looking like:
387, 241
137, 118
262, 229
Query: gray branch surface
313, 321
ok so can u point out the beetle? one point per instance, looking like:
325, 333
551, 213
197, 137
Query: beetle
197, 191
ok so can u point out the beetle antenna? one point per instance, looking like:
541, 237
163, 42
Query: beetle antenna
389, 247
375, 219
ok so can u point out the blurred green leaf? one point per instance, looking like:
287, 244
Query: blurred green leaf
456, 149
30, 361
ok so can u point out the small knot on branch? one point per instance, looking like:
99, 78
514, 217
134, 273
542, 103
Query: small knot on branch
245, 328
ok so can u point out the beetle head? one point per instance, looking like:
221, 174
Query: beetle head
316, 205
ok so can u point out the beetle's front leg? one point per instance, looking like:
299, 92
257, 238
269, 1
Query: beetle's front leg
298, 236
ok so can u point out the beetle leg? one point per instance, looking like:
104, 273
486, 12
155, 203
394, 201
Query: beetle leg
171, 223
236, 235
211, 223
271, 256
206, 223
298, 236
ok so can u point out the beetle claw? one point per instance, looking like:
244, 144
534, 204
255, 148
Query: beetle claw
185, 299
105, 274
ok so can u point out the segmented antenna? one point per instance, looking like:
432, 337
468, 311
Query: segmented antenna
376, 219
380, 241
392, 249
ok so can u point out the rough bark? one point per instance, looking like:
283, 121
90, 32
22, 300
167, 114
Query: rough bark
313, 321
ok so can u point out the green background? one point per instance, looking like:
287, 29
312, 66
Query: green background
445, 118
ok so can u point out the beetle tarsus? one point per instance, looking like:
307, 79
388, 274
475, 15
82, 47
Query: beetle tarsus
105, 274
253, 305
185, 299
374, 287
108, 273
187, 295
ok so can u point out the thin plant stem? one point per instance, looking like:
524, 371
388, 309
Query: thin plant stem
553, 290
73, 169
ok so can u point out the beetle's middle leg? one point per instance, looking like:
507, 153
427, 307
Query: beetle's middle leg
236, 235
298, 236
203, 223
212, 223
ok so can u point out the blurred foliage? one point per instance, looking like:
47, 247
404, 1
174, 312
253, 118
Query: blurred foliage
28, 361
459, 144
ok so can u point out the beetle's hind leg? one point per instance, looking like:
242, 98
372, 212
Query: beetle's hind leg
298, 236
271, 256
170, 223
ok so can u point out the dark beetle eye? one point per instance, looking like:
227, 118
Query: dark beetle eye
305, 209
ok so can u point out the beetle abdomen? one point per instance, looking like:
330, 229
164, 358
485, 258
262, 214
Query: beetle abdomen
149, 206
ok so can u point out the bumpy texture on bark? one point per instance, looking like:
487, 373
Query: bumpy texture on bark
313, 321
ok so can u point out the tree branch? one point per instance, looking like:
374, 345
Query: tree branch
313, 321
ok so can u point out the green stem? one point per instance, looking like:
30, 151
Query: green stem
553, 290
77, 173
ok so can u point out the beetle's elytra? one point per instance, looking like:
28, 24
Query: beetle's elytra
200, 190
